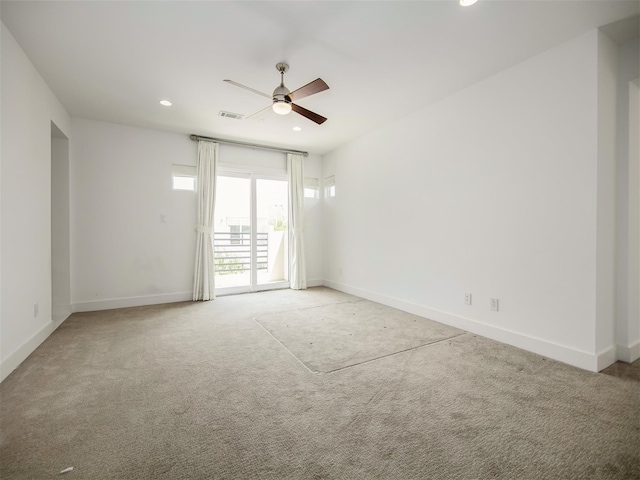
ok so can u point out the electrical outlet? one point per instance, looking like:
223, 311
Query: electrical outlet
494, 304
467, 298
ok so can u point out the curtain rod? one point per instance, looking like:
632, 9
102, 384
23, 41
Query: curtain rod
250, 145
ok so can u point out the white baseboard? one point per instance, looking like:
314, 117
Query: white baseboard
606, 358
61, 312
96, 305
110, 304
629, 354
92, 306
19, 355
562, 353
552, 350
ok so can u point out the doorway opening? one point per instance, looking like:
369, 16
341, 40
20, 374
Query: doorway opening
60, 227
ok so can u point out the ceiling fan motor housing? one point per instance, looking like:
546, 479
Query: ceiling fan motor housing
280, 94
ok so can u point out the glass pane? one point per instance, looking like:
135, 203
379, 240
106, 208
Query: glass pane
232, 232
184, 183
272, 231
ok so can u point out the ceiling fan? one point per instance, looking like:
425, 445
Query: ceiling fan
283, 99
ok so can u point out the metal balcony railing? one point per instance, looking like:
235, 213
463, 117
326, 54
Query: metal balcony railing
233, 252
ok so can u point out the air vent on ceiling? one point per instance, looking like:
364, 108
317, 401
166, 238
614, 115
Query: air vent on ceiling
235, 116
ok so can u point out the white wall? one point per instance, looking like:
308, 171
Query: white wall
313, 226
28, 108
628, 204
605, 347
2, 374
120, 186
630, 349
491, 191
122, 254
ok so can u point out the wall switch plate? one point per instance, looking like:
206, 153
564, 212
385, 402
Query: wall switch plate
494, 304
35, 309
467, 298
163, 218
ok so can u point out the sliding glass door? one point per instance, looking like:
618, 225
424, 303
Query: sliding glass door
251, 233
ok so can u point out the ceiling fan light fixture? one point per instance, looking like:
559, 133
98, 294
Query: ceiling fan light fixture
281, 107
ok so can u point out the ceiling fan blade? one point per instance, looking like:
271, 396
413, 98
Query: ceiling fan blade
316, 86
258, 112
319, 119
248, 88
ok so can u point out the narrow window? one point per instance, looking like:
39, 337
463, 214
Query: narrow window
311, 187
330, 186
183, 177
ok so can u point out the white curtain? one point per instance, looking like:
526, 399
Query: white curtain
204, 274
298, 274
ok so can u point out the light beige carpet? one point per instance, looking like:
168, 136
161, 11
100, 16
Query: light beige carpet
331, 337
202, 391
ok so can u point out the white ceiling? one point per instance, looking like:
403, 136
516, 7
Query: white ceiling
114, 61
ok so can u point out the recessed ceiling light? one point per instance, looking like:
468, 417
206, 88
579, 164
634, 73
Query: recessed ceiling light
166, 103
296, 129
467, 3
